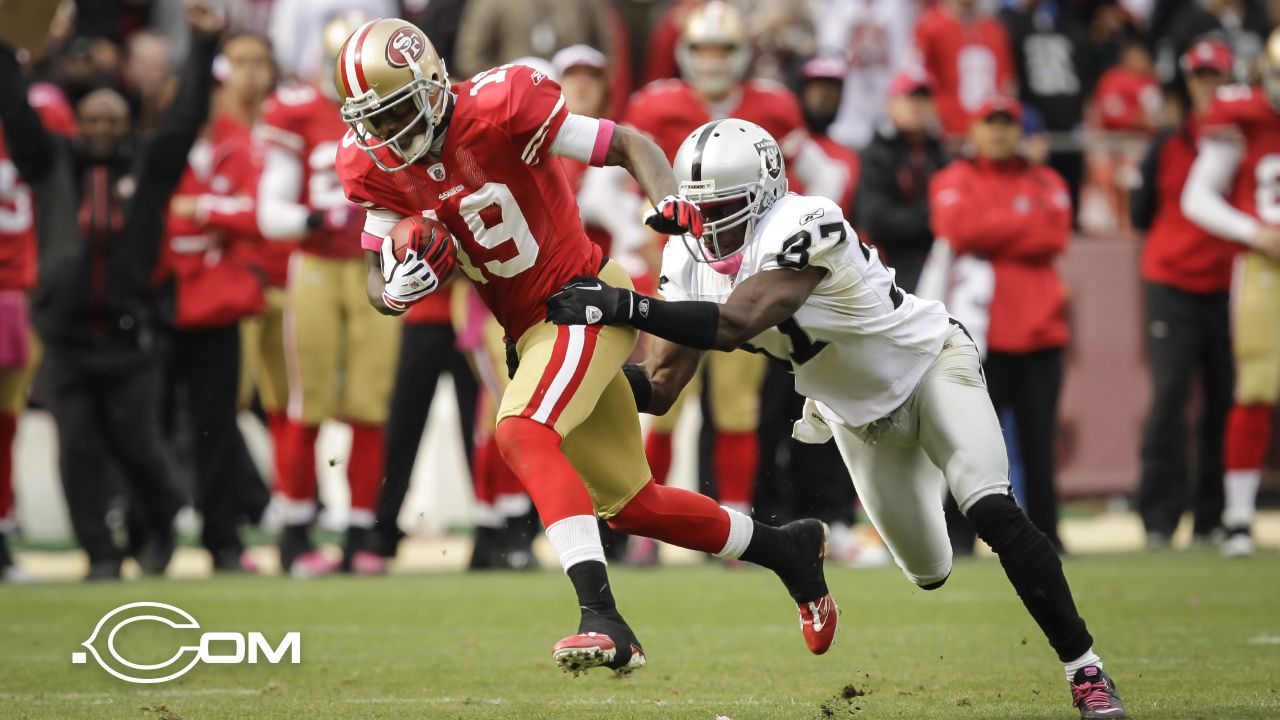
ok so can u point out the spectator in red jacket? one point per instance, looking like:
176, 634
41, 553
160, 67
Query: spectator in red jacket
212, 218
967, 53
1127, 97
1008, 220
1187, 275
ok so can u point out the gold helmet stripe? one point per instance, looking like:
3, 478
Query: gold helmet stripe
353, 71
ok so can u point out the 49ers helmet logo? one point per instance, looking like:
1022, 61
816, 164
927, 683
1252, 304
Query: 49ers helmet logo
405, 47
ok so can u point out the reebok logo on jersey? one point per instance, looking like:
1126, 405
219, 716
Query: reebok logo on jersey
806, 219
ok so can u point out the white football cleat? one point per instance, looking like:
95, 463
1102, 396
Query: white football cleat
1238, 543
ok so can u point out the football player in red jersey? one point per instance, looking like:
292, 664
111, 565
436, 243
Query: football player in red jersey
340, 355
713, 54
1233, 192
17, 277
477, 157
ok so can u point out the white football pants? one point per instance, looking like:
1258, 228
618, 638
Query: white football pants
945, 437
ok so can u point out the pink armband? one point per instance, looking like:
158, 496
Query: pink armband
601, 149
369, 241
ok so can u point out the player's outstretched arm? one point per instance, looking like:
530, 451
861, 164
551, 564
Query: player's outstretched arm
759, 303
657, 382
644, 160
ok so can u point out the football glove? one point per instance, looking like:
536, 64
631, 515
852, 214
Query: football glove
675, 215
589, 301
407, 281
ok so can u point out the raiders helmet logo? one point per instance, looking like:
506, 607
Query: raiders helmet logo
770, 157
405, 46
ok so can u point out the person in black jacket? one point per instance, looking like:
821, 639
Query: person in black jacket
892, 202
101, 203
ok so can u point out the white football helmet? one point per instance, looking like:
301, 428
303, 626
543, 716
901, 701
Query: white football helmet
733, 170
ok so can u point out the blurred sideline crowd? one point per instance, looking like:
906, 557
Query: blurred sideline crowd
176, 250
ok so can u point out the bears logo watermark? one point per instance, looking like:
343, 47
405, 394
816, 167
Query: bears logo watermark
214, 648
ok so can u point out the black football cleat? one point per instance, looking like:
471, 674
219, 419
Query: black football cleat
1094, 694
807, 584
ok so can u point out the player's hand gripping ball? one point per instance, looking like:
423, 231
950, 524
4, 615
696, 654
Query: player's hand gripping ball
417, 257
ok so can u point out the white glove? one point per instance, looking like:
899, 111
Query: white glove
811, 428
407, 281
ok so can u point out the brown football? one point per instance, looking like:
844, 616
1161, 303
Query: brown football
403, 238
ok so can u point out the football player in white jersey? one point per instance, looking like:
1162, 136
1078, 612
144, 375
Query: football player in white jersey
892, 377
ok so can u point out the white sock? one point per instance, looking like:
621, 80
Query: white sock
740, 530
1240, 488
296, 512
576, 539
361, 518
1084, 661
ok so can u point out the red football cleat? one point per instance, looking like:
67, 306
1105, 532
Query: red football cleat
818, 622
579, 653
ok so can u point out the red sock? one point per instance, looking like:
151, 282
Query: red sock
532, 451
658, 449
736, 456
8, 429
1248, 432
296, 461
675, 516
366, 466
277, 421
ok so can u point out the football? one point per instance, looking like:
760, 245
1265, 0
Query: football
433, 233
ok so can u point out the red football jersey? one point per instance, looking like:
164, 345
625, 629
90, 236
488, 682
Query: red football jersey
17, 212
669, 111
1245, 113
1126, 100
511, 209
969, 60
301, 120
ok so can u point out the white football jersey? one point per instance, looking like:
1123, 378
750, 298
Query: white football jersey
859, 345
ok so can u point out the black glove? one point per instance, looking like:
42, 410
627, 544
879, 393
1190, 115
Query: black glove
588, 301
675, 215
513, 359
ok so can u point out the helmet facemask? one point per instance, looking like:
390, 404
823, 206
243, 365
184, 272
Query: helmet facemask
723, 211
411, 141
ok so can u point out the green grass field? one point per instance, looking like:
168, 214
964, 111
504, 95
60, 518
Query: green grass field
1185, 636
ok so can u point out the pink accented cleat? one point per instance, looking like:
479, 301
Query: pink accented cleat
311, 564
365, 562
579, 653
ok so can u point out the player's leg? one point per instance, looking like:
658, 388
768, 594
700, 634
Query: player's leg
14, 381
606, 450
1173, 344
961, 434
271, 372
1255, 301
1218, 380
735, 381
312, 318
659, 444
901, 491
370, 349
563, 371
